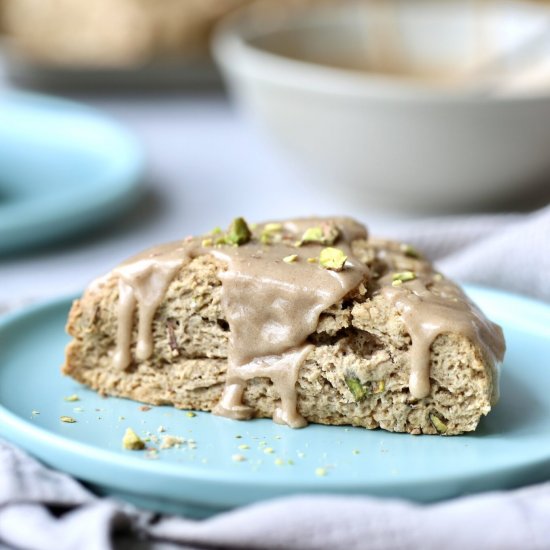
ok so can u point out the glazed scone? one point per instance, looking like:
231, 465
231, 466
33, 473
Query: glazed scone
302, 321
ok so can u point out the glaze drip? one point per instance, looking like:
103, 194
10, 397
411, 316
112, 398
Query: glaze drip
143, 281
430, 306
282, 370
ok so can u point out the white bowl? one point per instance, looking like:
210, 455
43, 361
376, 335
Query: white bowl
429, 133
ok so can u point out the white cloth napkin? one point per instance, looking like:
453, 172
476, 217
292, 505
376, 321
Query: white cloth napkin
508, 251
42, 509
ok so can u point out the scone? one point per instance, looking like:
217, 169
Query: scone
303, 321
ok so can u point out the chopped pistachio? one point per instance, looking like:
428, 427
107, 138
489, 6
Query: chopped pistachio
326, 234
238, 437
191, 414
437, 277
396, 283
358, 390
218, 241
410, 251
72, 398
273, 227
332, 258
238, 458
331, 233
78, 409
269, 450
404, 276
271, 232
238, 233
312, 260
380, 386
34, 412
244, 447
207, 242
67, 419
216, 231
161, 429
290, 259
312, 235
438, 424
131, 441
279, 462
356, 451
321, 472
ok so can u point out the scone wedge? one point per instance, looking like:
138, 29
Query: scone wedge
303, 321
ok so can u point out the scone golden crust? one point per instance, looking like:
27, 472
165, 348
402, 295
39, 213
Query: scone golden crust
358, 365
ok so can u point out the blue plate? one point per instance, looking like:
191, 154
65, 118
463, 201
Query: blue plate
510, 448
64, 168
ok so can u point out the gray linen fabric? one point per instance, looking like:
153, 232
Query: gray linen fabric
43, 509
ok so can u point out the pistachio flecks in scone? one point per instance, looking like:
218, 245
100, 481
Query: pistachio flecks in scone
438, 424
361, 390
357, 389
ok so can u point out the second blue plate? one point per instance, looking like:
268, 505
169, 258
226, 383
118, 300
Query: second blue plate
64, 168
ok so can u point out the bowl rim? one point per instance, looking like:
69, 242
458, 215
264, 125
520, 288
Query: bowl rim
231, 41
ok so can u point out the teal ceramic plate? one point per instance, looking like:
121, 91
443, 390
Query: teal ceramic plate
64, 168
510, 448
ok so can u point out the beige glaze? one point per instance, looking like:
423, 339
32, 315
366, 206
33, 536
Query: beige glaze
143, 280
430, 307
282, 370
272, 306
